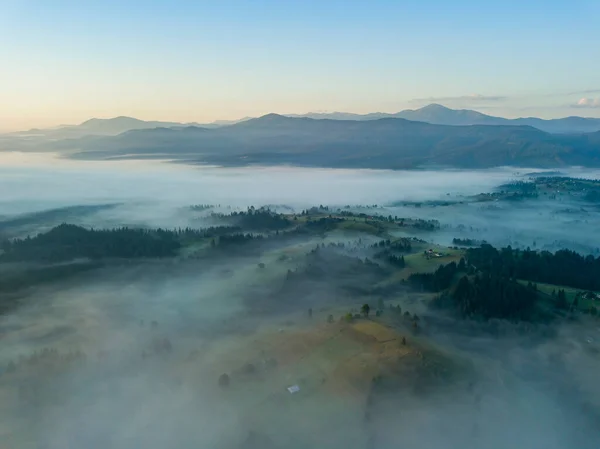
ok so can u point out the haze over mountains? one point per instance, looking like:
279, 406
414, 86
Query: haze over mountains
440, 115
434, 113
112, 127
97, 126
384, 143
433, 135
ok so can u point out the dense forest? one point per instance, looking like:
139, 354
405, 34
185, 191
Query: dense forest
467, 242
391, 258
484, 294
563, 267
439, 280
66, 242
323, 224
491, 296
256, 219
485, 283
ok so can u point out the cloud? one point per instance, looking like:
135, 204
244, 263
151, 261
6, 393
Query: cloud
472, 97
585, 92
587, 103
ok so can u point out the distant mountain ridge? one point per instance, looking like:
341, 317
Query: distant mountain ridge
434, 114
99, 127
118, 125
392, 143
437, 114
112, 127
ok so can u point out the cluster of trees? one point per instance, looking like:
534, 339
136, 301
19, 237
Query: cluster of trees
323, 224
439, 280
490, 287
66, 242
487, 294
201, 207
262, 218
566, 183
491, 296
396, 261
381, 244
402, 244
389, 218
518, 190
519, 186
427, 225
564, 267
228, 241
193, 235
391, 258
468, 242
314, 210
561, 299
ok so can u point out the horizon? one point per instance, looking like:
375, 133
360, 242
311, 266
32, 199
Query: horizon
290, 115
202, 62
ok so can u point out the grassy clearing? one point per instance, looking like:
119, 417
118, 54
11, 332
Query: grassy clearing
570, 293
417, 263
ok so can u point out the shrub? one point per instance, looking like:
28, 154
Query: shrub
365, 309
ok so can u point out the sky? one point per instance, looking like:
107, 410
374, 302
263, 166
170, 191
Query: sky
62, 62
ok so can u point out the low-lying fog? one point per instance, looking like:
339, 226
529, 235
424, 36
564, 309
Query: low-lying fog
156, 194
156, 337
33, 182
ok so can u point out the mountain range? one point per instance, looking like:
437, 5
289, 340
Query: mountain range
97, 126
440, 115
112, 127
434, 113
433, 135
392, 143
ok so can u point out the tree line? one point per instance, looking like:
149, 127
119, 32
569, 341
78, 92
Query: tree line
67, 242
564, 267
252, 218
486, 283
439, 280
488, 295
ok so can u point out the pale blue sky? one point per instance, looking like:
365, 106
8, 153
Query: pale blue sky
65, 61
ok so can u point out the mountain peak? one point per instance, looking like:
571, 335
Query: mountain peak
121, 118
272, 116
434, 107
268, 119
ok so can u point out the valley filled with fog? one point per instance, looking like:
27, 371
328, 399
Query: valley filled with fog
118, 334
157, 194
